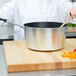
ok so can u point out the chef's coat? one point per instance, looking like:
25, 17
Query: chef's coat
25, 11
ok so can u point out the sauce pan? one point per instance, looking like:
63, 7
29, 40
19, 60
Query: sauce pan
45, 36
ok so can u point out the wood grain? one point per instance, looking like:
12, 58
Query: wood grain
71, 30
19, 58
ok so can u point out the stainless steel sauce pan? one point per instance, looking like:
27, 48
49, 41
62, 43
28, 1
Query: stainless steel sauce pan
45, 36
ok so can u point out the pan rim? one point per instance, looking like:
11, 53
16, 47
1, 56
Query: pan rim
44, 24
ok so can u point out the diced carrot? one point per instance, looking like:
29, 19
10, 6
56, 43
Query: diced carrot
64, 52
62, 55
71, 55
70, 52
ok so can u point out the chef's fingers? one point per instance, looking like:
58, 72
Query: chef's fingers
69, 14
72, 13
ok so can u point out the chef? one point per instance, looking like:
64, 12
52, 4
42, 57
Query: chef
25, 11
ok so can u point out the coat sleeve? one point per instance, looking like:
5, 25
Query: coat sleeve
63, 6
7, 11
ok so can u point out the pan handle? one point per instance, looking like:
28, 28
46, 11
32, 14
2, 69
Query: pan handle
5, 20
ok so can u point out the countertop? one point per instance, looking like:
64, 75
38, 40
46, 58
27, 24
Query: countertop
3, 69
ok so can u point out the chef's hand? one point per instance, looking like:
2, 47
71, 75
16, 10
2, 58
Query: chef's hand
71, 12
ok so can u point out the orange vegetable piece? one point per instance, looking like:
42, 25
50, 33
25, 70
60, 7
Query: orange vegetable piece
64, 52
71, 55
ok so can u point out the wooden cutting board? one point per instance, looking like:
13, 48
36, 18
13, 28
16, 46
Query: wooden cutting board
71, 30
19, 58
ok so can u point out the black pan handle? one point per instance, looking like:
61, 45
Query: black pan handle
5, 20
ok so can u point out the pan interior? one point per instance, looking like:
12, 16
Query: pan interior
44, 24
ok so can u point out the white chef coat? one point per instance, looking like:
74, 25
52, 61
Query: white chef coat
25, 11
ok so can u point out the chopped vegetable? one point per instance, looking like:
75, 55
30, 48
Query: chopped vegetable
71, 25
74, 50
71, 55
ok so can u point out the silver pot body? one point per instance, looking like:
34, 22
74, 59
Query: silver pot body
45, 39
